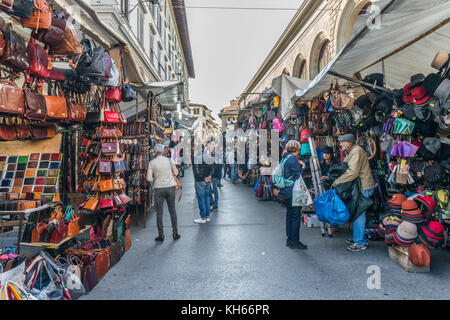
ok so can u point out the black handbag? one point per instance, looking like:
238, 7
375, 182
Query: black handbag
26, 235
90, 63
128, 93
22, 8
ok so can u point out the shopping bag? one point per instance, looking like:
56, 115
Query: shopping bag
331, 209
300, 194
256, 185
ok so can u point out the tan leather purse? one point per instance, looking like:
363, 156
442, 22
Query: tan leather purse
106, 185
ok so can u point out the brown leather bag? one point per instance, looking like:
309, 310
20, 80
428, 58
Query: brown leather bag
77, 111
35, 108
37, 232
7, 132
71, 45
15, 53
342, 101
56, 107
41, 17
73, 229
106, 185
92, 204
51, 131
38, 132
11, 99
22, 131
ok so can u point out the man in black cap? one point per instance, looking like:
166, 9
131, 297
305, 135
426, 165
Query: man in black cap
327, 161
358, 166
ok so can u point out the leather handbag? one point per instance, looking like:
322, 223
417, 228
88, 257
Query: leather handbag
22, 8
112, 115
104, 167
38, 59
77, 111
124, 198
90, 62
109, 147
37, 232
127, 239
115, 253
73, 228
57, 74
60, 233
56, 106
40, 16
113, 80
53, 36
38, 132
101, 261
11, 99
15, 53
106, 203
71, 45
92, 204
117, 201
59, 19
2, 44
35, 108
107, 133
106, 185
114, 94
22, 131
107, 62
7, 132
128, 93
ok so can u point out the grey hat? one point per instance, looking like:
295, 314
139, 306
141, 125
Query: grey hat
347, 138
159, 148
432, 144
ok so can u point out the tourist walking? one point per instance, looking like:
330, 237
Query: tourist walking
202, 176
161, 172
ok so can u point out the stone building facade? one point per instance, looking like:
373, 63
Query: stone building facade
318, 31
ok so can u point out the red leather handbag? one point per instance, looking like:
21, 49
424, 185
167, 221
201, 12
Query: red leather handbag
114, 94
59, 234
112, 115
38, 60
106, 203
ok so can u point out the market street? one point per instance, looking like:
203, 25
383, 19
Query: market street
241, 254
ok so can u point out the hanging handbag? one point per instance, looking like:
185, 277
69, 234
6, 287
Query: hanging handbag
117, 183
15, 53
107, 62
128, 93
56, 106
38, 59
22, 8
113, 80
77, 111
71, 45
11, 99
104, 167
73, 229
40, 16
22, 131
7, 132
106, 185
92, 203
39, 132
124, 198
106, 203
114, 94
35, 108
109, 147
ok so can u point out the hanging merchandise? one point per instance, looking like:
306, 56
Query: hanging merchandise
40, 17
276, 101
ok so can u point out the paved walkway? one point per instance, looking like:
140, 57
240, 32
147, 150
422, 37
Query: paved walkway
241, 254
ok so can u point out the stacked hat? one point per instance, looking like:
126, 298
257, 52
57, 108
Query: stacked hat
390, 224
419, 254
411, 212
427, 205
406, 233
395, 204
432, 233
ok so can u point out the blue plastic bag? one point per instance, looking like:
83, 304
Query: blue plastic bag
257, 183
331, 209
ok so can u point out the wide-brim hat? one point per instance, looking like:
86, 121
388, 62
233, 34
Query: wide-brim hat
406, 233
416, 79
440, 59
434, 230
432, 82
443, 91
428, 204
397, 199
419, 254
419, 94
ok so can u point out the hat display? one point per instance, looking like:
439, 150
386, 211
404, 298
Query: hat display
440, 59
416, 80
419, 254
406, 233
395, 204
407, 97
432, 144
390, 224
432, 82
443, 91
347, 138
432, 233
411, 212
419, 94
426, 204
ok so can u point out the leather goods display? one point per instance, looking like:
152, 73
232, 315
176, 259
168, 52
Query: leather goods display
15, 53
40, 16
104, 167
114, 94
22, 131
22, 8
35, 108
128, 93
106, 185
109, 147
73, 228
71, 45
38, 59
7, 132
11, 99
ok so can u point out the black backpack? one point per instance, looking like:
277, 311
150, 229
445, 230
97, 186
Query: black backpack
434, 174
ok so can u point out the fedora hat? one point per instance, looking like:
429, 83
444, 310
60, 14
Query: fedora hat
432, 82
416, 80
407, 97
419, 94
440, 59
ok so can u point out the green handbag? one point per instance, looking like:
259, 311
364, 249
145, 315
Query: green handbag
305, 149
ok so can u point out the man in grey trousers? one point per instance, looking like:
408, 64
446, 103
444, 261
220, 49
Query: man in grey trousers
160, 174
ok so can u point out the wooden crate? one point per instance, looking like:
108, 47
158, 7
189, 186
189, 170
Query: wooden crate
401, 258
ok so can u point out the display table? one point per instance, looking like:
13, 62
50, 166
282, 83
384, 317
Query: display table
400, 256
48, 245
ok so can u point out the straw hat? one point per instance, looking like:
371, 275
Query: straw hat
439, 60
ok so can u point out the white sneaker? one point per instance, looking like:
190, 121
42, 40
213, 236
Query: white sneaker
208, 219
199, 220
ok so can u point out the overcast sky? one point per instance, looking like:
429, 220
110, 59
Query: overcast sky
229, 46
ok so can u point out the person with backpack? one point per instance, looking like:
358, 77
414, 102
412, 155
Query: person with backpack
291, 168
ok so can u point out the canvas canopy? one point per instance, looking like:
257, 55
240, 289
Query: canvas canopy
411, 33
286, 86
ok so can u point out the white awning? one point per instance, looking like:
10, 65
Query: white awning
410, 34
285, 86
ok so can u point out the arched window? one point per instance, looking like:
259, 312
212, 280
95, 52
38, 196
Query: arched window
286, 72
324, 56
299, 69
302, 72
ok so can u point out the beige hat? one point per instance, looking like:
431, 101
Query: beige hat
439, 60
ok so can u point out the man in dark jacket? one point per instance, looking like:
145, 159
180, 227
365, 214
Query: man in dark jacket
215, 180
202, 176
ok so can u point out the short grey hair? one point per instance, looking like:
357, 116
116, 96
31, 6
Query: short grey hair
159, 149
293, 146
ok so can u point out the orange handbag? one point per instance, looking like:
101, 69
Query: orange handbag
56, 107
106, 185
36, 233
51, 132
56, 214
41, 17
92, 204
127, 240
73, 228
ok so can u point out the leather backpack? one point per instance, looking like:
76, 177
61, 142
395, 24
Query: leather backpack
35, 108
40, 16
70, 45
15, 53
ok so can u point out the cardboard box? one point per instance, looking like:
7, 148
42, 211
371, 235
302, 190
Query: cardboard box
311, 221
